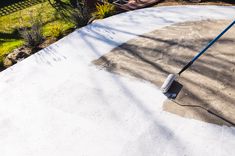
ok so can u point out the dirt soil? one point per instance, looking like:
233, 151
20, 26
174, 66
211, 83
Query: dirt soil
208, 92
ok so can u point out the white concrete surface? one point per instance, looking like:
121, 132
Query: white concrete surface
55, 103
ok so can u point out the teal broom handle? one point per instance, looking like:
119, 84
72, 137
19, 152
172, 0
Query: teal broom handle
207, 47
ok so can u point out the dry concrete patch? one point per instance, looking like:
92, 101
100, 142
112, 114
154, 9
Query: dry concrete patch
208, 92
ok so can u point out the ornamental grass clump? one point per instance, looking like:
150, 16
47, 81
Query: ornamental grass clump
32, 35
57, 31
104, 10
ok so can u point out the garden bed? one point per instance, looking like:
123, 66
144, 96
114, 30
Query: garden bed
52, 28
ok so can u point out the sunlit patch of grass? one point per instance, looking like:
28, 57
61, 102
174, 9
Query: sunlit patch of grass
55, 28
7, 46
11, 22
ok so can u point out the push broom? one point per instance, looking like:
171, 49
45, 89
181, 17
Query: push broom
172, 77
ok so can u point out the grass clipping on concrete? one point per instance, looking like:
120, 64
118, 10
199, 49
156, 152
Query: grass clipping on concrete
209, 83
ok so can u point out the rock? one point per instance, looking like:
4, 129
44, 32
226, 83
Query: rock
23, 52
7, 62
45, 44
16, 56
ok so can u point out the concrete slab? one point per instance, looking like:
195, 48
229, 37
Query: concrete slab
206, 88
57, 103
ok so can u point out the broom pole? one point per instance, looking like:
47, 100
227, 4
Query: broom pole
207, 47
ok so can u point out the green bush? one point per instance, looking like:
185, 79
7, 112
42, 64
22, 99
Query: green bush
104, 10
57, 31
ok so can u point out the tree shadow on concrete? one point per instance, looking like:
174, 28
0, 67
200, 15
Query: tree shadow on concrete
209, 84
166, 134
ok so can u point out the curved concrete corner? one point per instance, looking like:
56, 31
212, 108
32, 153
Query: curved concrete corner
56, 103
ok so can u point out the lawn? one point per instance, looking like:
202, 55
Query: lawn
9, 37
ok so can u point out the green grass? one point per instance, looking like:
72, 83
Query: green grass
11, 22
9, 45
52, 26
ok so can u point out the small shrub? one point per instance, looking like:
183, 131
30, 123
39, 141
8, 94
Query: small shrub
32, 35
57, 31
104, 10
